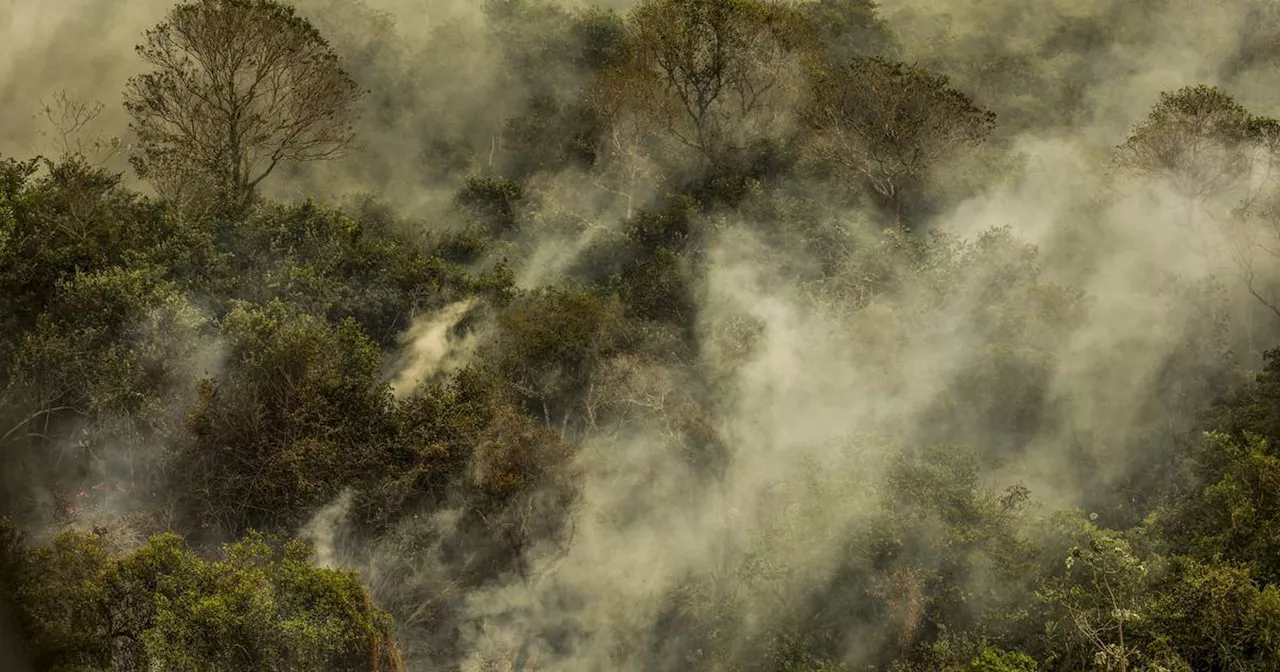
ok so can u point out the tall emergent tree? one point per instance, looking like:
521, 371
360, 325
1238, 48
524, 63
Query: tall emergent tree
1215, 153
237, 87
1196, 138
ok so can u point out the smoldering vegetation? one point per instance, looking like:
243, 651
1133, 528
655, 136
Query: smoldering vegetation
660, 335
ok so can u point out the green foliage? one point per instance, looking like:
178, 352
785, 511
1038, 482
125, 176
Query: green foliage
161, 606
494, 202
654, 280
1237, 514
296, 413
550, 342
74, 219
438, 429
8, 216
1252, 409
1209, 614
995, 660
98, 371
109, 343
1100, 597
360, 265
849, 29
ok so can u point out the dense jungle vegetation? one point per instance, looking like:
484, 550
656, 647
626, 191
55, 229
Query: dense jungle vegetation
725, 335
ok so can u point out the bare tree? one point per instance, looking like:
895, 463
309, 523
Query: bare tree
69, 121
237, 87
626, 166
887, 123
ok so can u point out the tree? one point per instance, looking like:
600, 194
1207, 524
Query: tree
237, 87
849, 28
1209, 148
1102, 594
887, 123
1193, 138
1215, 616
297, 414
259, 606
1236, 515
712, 74
70, 122
623, 163
91, 388
550, 343
548, 54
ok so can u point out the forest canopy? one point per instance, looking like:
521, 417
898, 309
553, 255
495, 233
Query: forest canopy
724, 335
